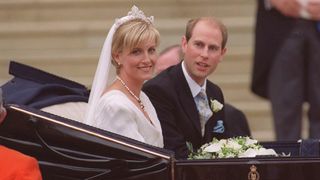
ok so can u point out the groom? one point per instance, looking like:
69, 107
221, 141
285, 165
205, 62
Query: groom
174, 92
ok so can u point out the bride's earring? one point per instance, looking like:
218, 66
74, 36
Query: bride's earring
118, 64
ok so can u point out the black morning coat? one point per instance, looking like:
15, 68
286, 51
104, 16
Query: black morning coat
171, 96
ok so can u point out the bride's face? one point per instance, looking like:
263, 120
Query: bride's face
138, 63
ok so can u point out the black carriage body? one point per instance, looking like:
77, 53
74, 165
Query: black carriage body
67, 149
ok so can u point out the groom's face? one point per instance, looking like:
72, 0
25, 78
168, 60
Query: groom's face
203, 51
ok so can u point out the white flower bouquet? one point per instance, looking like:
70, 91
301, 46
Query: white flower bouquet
237, 147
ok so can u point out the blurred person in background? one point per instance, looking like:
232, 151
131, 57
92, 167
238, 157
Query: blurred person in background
286, 66
170, 56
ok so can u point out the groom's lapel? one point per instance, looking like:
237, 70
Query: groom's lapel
211, 94
186, 99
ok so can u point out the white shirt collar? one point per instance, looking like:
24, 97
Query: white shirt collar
194, 87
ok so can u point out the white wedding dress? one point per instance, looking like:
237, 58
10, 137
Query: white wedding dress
118, 114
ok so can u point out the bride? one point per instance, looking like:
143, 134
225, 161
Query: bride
122, 107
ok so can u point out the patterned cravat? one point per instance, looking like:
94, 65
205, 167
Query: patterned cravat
204, 110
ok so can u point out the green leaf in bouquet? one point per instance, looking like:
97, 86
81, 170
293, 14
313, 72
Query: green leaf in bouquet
189, 146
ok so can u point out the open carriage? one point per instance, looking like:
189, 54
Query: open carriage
67, 149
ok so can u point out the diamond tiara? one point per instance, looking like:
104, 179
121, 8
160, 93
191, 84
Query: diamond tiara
135, 13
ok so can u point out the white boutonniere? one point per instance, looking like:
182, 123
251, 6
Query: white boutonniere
215, 105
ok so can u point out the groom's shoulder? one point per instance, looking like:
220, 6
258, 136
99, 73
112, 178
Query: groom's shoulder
211, 84
166, 77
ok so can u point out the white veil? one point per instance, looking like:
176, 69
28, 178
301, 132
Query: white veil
102, 72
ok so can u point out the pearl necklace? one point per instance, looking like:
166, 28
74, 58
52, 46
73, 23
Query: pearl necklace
132, 94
